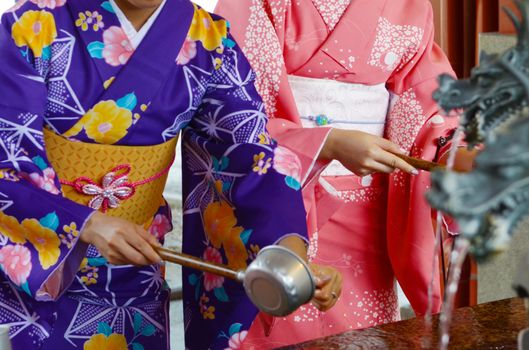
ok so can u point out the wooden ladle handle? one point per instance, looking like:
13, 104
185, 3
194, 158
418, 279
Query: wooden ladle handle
197, 264
420, 163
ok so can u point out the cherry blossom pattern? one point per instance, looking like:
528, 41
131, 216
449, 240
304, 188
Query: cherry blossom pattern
394, 45
331, 11
405, 119
262, 53
374, 307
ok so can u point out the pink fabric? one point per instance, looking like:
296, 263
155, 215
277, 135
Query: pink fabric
118, 48
212, 281
373, 42
15, 261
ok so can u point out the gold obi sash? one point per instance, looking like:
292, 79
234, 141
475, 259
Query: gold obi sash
123, 181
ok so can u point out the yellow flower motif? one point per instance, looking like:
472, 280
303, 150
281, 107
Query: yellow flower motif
208, 312
218, 63
106, 123
88, 281
209, 32
219, 221
235, 250
35, 29
81, 22
144, 107
71, 229
9, 175
253, 251
219, 186
44, 240
264, 139
87, 18
84, 264
70, 235
90, 273
10, 227
109, 81
255, 248
260, 165
102, 342
77, 128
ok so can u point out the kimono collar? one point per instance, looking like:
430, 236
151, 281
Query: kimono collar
356, 24
135, 37
331, 10
136, 73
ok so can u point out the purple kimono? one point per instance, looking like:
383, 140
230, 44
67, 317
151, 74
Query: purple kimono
67, 65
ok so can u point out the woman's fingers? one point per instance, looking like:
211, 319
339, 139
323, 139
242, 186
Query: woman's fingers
392, 161
148, 237
140, 242
390, 146
121, 252
322, 281
329, 287
378, 167
119, 241
325, 300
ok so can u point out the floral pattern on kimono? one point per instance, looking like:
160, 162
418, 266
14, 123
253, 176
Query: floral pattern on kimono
370, 43
69, 67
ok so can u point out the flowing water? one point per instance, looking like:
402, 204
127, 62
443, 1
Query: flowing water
455, 264
457, 259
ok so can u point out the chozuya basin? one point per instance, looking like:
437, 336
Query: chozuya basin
278, 281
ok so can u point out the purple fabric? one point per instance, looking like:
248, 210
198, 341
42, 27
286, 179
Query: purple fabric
70, 68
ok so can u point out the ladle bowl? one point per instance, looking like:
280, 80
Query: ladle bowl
277, 282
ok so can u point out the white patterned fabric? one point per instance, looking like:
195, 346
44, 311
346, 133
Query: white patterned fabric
345, 105
331, 11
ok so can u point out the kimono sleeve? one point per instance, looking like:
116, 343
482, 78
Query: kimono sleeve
414, 115
232, 159
39, 229
261, 27
241, 193
414, 123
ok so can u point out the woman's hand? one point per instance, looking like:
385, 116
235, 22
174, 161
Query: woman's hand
119, 241
363, 153
328, 279
328, 286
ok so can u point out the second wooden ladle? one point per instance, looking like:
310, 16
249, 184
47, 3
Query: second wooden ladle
420, 164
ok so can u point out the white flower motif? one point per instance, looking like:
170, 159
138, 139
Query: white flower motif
394, 45
109, 194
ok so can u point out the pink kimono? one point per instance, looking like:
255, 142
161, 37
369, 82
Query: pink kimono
381, 63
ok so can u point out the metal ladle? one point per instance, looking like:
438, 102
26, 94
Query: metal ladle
278, 281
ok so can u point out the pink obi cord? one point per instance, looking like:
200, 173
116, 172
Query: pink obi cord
115, 187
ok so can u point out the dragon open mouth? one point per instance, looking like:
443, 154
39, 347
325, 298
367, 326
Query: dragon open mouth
490, 202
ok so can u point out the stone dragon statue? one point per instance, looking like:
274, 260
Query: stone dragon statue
489, 202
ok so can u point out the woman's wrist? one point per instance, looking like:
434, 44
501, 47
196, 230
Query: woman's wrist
87, 232
328, 150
